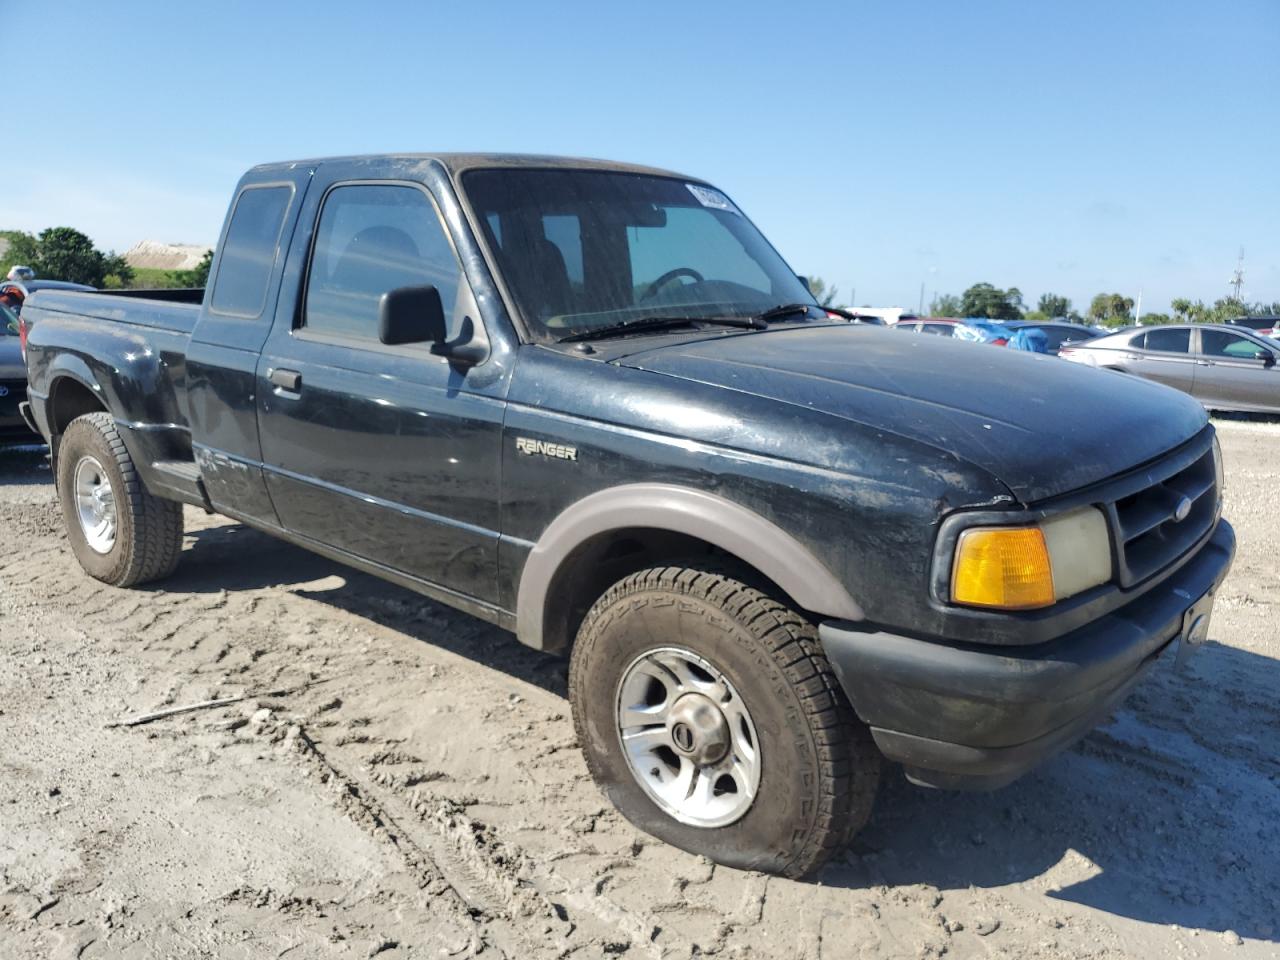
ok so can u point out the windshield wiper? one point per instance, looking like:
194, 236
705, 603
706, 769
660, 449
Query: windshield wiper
786, 309
648, 324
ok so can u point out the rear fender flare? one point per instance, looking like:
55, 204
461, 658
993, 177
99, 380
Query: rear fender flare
68, 366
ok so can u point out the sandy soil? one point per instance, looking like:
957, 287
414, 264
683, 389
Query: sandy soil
417, 792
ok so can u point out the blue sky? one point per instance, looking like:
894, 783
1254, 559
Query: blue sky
1074, 147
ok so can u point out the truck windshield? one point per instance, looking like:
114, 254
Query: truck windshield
582, 250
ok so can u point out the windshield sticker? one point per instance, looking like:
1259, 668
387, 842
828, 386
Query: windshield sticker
709, 197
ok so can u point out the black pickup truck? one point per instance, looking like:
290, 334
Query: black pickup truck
590, 403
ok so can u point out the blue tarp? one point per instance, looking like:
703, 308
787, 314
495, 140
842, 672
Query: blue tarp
1031, 339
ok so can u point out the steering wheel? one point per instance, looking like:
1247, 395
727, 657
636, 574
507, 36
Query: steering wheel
667, 277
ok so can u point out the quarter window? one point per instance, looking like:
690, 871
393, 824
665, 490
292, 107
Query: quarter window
1169, 341
249, 251
373, 238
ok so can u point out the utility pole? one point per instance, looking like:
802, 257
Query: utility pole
920, 310
1237, 275
1137, 319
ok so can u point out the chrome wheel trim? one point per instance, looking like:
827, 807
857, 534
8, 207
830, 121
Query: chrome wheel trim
95, 504
688, 737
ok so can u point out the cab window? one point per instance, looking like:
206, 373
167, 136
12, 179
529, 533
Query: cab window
1219, 343
1169, 341
373, 238
249, 251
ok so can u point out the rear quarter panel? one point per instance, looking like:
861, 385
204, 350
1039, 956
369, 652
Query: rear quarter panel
132, 356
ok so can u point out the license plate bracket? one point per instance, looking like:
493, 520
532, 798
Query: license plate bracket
1195, 630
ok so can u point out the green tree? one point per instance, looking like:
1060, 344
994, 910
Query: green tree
817, 286
116, 270
198, 276
64, 253
1052, 305
1155, 319
1226, 308
1111, 309
984, 300
21, 250
1181, 307
944, 305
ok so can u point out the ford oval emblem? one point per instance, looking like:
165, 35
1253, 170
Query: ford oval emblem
4, 391
1181, 511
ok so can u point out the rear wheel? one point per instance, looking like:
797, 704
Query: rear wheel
711, 718
120, 533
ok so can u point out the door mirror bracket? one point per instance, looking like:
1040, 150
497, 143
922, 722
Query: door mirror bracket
466, 349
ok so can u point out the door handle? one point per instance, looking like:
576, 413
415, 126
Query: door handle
290, 380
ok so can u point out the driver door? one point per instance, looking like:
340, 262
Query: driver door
1230, 374
387, 453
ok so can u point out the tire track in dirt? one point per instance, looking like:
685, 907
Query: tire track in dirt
460, 740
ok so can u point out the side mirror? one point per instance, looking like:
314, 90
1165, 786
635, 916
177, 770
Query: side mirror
1267, 357
805, 281
411, 315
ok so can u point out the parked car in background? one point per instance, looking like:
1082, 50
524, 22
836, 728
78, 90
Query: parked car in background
13, 380
1267, 326
973, 330
13, 370
1056, 335
984, 331
14, 292
936, 326
1223, 366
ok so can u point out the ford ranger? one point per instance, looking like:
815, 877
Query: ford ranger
590, 403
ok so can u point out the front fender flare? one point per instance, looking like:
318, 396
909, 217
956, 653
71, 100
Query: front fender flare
723, 523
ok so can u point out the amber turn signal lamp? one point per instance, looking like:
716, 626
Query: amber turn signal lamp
1006, 567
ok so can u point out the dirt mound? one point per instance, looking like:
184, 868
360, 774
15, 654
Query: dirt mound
151, 254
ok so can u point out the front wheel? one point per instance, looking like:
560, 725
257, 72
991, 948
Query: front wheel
711, 718
120, 533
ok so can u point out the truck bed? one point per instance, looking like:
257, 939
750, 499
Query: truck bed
173, 310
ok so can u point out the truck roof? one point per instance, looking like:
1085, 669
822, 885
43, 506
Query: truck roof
456, 163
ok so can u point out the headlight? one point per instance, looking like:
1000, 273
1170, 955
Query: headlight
1022, 568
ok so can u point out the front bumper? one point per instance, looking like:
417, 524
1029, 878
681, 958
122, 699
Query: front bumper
963, 716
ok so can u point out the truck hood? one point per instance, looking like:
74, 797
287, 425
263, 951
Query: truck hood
1041, 425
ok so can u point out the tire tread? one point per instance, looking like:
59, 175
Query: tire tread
848, 760
154, 545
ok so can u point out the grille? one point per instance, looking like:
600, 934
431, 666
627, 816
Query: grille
1150, 534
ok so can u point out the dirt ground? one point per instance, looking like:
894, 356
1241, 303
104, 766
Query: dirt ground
424, 796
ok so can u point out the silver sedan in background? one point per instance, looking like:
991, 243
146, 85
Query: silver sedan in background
1224, 367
